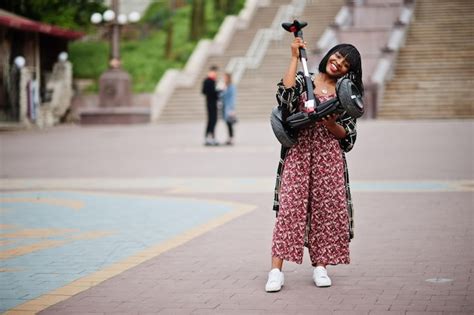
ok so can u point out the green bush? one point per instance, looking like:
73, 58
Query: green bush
89, 58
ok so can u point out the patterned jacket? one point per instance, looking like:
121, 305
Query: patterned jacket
291, 99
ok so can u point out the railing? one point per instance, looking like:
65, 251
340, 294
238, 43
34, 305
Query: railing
384, 68
383, 72
258, 48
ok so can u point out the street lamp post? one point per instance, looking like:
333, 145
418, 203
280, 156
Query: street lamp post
114, 83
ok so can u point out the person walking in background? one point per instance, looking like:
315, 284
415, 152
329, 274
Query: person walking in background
212, 95
312, 196
228, 96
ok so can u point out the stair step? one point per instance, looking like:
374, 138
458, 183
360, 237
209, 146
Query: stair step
434, 70
432, 79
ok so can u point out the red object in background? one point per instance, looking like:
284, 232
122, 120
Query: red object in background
21, 23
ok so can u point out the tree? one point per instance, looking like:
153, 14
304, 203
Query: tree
169, 30
225, 7
73, 13
198, 19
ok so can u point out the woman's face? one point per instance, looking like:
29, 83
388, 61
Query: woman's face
337, 65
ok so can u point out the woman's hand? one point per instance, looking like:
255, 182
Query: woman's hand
295, 45
330, 123
329, 120
289, 78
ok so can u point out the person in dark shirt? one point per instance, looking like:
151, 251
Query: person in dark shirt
212, 95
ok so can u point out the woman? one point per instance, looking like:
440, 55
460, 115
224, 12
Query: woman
312, 196
228, 101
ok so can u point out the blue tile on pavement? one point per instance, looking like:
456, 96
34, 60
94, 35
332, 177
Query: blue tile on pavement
49, 239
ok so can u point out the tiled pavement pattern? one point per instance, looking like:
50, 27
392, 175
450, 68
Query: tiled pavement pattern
53, 238
412, 253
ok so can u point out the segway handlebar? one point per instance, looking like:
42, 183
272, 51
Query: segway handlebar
296, 28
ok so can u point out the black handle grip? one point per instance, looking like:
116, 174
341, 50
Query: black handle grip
310, 87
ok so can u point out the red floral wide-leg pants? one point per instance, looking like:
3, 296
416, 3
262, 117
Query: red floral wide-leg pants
313, 205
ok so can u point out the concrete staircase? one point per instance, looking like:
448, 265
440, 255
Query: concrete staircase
433, 76
256, 90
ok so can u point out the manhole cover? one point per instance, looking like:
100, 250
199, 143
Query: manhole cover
439, 280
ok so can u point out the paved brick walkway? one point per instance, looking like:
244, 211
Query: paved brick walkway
412, 254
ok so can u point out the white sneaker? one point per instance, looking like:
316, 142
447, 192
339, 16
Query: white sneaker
276, 279
320, 277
